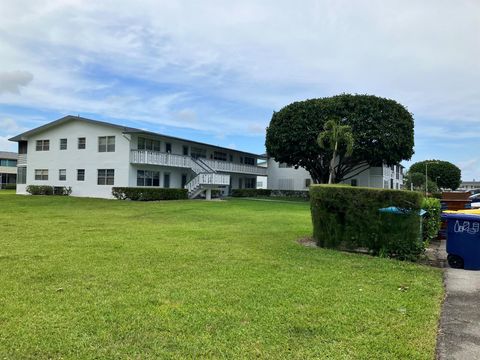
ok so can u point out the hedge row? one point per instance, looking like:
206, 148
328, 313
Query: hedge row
48, 190
149, 194
350, 217
9, 186
431, 219
268, 192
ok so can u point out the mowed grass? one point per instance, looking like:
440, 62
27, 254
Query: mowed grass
90, 278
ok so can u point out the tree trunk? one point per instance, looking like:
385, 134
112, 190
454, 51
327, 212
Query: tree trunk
332, 163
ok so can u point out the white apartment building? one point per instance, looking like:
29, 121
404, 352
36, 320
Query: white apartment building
285, 177
8, 168
93, 156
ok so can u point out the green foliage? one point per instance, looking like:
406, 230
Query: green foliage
338, 139
39, 190
251, 192
444, 173
382, 131
349, 217
62, 190
432, 218
9, 186
149, 194
417, 179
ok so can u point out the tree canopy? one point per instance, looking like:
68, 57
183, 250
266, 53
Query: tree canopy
382, 132
444, 173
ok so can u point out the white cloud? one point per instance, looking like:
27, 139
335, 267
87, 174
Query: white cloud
12, 81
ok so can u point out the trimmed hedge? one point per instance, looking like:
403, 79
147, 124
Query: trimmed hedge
349, 218
48, 190
251, 192
148, 193
431, 219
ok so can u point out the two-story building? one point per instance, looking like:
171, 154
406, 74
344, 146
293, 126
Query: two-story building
8, 168
92, 156
282, 176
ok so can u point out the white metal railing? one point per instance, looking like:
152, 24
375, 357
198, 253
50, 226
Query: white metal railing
22, 159
236, 168
159, 158
208, 179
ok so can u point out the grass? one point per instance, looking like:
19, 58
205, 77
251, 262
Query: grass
90, 278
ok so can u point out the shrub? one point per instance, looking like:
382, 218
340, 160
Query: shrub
349, 217
40, 190
62, 190
148, 193
302, 194
432, 218
251, 192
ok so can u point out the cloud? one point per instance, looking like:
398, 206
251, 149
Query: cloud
12, 81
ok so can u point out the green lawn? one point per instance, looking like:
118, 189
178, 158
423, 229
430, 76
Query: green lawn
90, 278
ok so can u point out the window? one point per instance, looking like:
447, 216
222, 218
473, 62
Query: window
198, 153
218, 155
168, 147
284, 165
82, 142
8, 163
308, 182
105, 176
62, 174
184, 180
21, 175
354, 182
106, 143
166, 180
185, 150
249, 160
41, 174
80, 174
250, 183
148, 144
231, 158
63, 144
148, 178
43, 145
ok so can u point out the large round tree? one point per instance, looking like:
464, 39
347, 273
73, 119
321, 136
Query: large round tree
382, 131
444, 173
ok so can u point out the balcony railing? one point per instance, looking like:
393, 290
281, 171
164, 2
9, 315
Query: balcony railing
22, 159
158, 158
236, 168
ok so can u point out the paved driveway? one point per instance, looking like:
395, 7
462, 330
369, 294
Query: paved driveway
459, 334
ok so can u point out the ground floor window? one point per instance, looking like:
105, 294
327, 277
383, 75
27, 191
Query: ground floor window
62, 174
148, 178
308, 182
250, 183
80, 174
105, 176
354, 182
21, 175
41, 174
184, 180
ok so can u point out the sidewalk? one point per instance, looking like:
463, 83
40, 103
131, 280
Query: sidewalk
459, 333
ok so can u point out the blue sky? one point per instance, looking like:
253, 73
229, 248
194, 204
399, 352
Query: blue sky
214, 71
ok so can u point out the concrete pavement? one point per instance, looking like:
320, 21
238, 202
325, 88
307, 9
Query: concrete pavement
459, 333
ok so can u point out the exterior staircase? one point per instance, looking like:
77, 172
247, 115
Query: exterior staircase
205, 180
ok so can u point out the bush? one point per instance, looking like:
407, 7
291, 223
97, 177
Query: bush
40, 190
302, 194
62, 190
432, 218
349, 217
148, 193
251, 192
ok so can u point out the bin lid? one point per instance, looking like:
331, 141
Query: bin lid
460, 216
397, 210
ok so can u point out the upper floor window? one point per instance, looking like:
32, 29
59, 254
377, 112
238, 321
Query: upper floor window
43, 145
82, 142
185, 150
168, 147
284, 165
41, 174
62, 174
8, 162
63, 144
198, 153
249, 160
148, 144
106, 177
218, 155
106, 143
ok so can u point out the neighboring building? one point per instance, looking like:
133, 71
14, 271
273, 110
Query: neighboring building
8, 168
93, 156
469, 185
285, 177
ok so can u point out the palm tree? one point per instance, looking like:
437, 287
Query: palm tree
334, 135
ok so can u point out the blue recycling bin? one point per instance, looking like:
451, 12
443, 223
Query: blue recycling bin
463, 240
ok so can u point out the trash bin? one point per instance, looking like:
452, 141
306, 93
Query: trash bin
463, 240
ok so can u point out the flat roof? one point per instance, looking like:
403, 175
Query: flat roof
8, 155
125, 129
